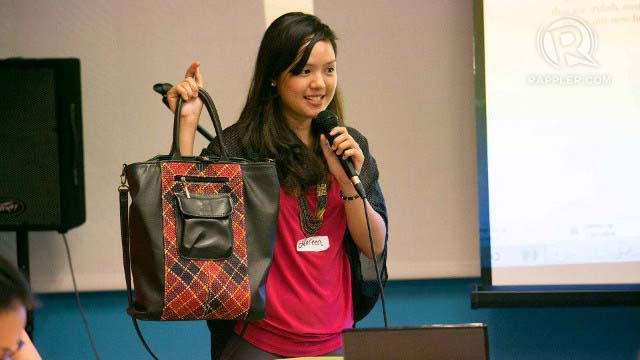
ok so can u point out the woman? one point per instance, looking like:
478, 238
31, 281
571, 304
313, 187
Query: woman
309, 284
15, 299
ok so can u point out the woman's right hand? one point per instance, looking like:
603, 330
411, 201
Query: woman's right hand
187, 89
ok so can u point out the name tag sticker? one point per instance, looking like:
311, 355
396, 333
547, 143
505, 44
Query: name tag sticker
314, 244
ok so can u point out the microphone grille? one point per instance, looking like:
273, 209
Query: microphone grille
325, 121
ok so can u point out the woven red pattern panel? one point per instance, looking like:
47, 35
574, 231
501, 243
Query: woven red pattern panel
204, 289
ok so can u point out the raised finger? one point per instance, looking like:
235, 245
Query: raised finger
198, 77
192, 69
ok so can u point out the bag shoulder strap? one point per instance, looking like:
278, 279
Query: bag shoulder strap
123, 190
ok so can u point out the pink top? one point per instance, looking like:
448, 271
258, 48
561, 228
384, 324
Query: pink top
308, 284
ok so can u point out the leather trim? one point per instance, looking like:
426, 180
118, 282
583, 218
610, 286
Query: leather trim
147, 269
262, 199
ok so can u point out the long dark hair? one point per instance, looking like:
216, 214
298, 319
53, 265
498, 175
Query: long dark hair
264, 129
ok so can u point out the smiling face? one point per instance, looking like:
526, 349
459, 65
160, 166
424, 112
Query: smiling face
304, 95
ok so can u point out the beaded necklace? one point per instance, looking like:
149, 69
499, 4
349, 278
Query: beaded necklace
310, 223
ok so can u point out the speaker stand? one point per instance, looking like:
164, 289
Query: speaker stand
22, 248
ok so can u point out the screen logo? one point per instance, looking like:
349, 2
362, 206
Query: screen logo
568, 42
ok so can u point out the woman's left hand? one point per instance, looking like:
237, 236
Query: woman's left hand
344, 146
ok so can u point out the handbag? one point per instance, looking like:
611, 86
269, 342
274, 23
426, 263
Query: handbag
198, 235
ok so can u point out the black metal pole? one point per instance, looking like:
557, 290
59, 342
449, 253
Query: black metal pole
22, 249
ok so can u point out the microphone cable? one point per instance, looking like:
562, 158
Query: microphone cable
375, 263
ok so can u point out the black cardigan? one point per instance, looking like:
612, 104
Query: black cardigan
364, 286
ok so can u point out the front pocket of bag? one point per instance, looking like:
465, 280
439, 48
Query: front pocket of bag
204, 230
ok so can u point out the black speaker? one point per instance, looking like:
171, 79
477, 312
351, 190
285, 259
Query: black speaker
41, 159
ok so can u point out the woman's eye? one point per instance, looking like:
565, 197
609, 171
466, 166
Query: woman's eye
331, 70
306, 71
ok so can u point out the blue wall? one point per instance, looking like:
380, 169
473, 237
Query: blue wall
522, 334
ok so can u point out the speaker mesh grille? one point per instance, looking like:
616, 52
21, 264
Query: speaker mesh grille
29, 164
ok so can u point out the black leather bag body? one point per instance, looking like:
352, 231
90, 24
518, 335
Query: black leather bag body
198, 234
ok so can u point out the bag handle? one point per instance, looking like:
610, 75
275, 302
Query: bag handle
215, 119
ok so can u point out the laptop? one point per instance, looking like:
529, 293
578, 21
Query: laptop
441, 342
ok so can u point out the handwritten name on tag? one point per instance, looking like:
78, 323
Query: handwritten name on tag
313, 243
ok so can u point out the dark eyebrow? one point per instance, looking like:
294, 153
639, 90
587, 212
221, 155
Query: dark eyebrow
332, 62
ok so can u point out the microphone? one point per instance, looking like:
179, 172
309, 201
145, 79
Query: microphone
323, 123
162, 88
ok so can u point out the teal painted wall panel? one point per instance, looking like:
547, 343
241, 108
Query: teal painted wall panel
611, 333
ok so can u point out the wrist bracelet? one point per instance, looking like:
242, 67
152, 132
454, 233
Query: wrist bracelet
348, 198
